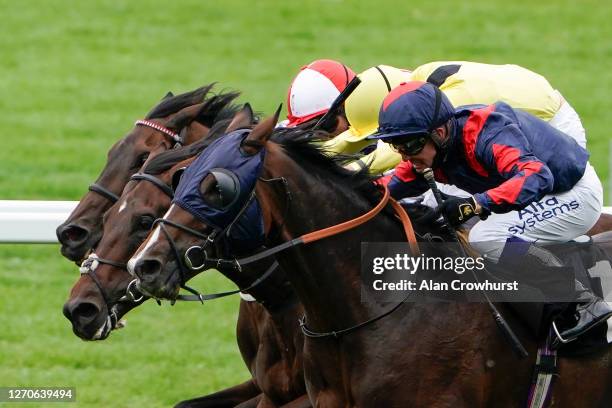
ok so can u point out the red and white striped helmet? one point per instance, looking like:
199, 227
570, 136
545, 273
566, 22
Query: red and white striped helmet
314, 89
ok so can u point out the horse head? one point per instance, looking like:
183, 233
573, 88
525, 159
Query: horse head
236, 198
104, 292
176, 120
225, 194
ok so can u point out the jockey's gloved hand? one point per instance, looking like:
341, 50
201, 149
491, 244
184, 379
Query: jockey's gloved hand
459, 209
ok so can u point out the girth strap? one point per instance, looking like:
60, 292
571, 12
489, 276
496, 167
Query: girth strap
545, 371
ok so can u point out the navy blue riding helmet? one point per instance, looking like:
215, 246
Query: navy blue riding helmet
412, 109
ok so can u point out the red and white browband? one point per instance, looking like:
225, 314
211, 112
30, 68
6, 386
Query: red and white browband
160, 128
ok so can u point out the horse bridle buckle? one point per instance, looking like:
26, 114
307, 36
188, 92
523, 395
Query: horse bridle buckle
188, 261
129, 294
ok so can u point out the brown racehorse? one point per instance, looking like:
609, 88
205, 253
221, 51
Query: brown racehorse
185, 115
422, 355
267, 332
604, 224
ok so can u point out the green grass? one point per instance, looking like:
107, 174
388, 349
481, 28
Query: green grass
75, 75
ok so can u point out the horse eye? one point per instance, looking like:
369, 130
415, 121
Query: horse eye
146, 222
140, 160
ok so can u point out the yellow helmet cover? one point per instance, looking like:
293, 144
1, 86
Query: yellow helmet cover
363, 104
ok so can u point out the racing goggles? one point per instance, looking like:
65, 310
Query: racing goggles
409, 146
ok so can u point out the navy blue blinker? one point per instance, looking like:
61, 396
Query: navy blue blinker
235, 176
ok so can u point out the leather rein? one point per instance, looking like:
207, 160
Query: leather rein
314, 236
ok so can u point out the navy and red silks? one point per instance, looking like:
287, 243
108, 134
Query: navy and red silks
507, 158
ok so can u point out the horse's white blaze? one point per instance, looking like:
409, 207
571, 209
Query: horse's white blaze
247, 298
122, 207
130, 266
132, 262
152, 241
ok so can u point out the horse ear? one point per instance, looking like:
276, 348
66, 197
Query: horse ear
242, 119
168, 95
185, 116
260, 134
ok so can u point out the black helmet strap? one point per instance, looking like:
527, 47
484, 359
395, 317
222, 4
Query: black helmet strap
437, 104
441, 145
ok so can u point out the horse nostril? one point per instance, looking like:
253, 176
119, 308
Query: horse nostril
81, 312
147, 267
72, 234
86, 311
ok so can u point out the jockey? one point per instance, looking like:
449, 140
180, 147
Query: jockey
464, 83
527, 181
312, 92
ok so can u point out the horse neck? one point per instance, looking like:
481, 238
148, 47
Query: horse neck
195, 132
325, 274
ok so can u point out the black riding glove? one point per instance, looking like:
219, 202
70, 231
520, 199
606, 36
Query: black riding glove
458, 209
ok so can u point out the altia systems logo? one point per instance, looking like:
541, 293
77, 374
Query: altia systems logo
540, 211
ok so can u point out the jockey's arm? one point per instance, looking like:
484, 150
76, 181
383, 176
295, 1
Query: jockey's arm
527, 178
404, 181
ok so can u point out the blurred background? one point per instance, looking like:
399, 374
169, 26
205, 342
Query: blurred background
75, 75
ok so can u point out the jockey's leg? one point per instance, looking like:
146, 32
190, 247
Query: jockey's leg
555, 218
567, 120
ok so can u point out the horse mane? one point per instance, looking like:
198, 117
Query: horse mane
175, 103
304, 147
166, 160
219, 108
216, 108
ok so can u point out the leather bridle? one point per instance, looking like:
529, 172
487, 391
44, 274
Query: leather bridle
176, 139
88, 267
303, 239
237, 264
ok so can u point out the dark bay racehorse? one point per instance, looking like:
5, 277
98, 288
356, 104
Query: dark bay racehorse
183, 119
267, 332
422, 355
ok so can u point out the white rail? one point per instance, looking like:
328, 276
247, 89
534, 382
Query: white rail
34, 222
